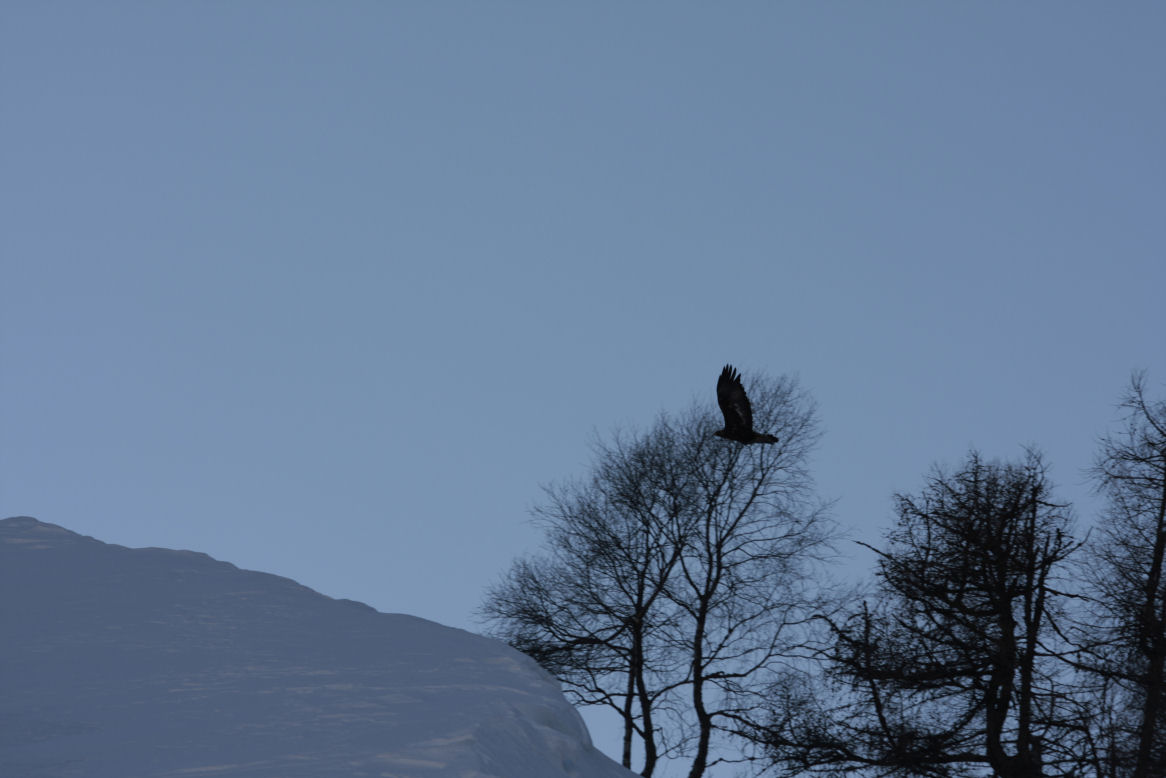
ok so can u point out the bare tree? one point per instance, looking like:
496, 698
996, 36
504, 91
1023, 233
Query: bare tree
677, 577
591, 610
951, 671
1126, 644
748, 583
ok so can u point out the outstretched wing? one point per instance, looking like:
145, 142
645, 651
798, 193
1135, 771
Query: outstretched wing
734, 404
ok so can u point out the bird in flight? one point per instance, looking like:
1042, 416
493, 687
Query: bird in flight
738, 413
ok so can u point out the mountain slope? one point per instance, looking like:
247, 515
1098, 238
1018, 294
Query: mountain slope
151, 662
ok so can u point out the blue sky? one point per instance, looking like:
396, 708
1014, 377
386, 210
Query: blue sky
330, 289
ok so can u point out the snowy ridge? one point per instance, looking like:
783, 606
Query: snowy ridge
152, 662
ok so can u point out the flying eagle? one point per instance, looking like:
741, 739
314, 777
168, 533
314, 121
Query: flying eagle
738, 413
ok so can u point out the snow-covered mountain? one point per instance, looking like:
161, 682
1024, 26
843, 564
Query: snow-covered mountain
118, 662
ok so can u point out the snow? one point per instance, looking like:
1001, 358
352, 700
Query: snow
150, 662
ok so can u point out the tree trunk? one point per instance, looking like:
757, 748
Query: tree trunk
703, 720
1153, 623
629, 728
649, 730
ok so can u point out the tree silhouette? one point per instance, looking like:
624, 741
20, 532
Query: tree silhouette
1125, 644
950, 670
677, 577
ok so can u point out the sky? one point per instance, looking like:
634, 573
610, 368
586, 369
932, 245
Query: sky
332, 290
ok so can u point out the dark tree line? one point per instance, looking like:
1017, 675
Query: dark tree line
683, 588
996, 643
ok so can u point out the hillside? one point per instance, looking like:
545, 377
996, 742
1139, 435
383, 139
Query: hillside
122, 662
